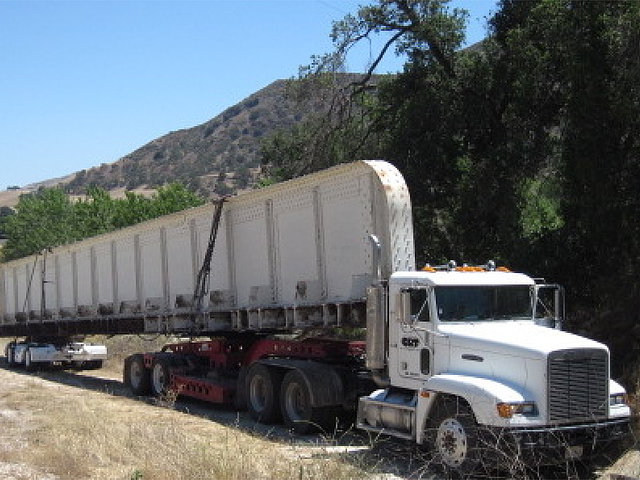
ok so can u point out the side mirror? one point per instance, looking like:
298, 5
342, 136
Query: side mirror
548, 309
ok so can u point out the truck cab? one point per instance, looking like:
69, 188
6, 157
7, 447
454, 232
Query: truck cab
473, 352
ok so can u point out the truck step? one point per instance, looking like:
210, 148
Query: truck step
386, 431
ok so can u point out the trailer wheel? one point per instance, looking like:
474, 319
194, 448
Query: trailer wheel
29, 364
263, 393
136, 376
77, 365
453, 435
9, 352
160, 376
297, 410
93, 365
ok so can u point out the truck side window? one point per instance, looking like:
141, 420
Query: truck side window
545, 307
419, 305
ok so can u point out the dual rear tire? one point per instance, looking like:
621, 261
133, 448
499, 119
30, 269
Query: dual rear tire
9, 352
273, 394
29, 364
160, 376
144, 381
136, 375
263, 393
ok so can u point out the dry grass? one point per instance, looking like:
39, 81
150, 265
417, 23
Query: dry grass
91, 435
74, 433
79, 434
628, 465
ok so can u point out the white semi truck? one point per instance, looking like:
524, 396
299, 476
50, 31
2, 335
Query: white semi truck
466, 360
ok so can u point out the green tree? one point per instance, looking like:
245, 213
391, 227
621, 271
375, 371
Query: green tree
95, 214
4, 213
48, 218
339, 133
524, 148
43, 219
172, 198
575, 70
440, 121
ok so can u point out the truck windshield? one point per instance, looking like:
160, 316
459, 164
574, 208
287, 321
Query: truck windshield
484, 303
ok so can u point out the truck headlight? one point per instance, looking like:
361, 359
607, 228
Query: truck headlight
618, 399
508, 410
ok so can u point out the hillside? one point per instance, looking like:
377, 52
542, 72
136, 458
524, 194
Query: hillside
220, 155
217, 157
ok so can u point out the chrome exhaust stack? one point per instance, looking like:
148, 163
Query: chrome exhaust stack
377, 320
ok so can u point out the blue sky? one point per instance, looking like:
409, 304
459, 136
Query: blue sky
87, 82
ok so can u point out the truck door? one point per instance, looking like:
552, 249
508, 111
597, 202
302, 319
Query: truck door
415, 343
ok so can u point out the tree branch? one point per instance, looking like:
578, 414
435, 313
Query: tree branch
362, 83
438, 54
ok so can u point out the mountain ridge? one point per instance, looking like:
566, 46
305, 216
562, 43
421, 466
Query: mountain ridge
217, 157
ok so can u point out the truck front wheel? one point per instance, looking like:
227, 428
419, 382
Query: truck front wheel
453, 434
263, 393
136, 376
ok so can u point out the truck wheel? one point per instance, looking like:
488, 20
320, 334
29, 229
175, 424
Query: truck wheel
295, 403
93, 365
29, 364
160, 376
79, 365
453, 435
136, 376
263, 392
9, 351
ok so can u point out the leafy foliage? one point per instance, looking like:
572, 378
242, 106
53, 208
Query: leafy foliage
524, 148
4, 213
48, 218
337, 131
36, 222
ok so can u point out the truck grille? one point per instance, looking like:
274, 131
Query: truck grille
578, 384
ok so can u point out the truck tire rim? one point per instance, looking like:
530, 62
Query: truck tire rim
295, 402
135, 374
451, 442
159, 379
258, 393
